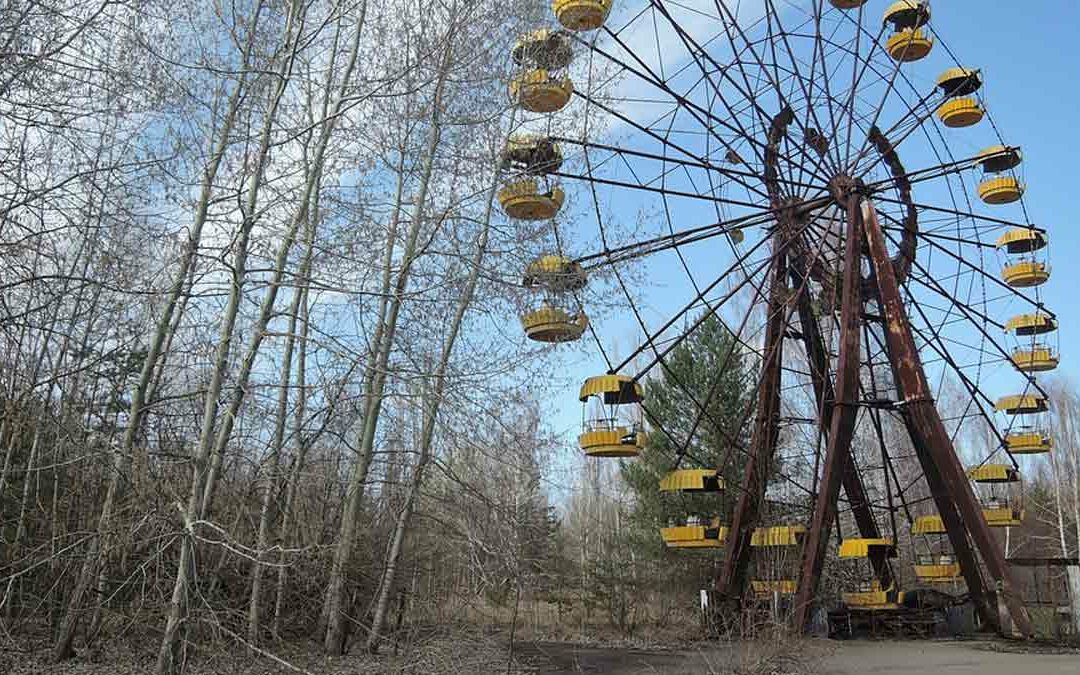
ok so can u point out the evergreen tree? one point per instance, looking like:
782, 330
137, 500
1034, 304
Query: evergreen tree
691, 373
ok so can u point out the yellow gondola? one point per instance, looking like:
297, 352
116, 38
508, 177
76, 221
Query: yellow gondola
1035, 359
1022, 404
1026, 274
610, 435
581, 15
911, 44
994, 473
692, 480
784, 535
695, 534
928, 525
547, 49
960, 112
523, 200
999, 190
555, 273
539, 91
869, 594
1003, 510
1031, 324
764, 588
956, 82
532, 154
1028, 442
1022, 240
552, 324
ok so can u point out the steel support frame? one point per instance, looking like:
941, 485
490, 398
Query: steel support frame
945, 476
845, 410
729, 583
824, 396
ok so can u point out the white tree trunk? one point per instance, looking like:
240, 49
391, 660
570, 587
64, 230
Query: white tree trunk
431, 412
169, 657
271, 478
333, 612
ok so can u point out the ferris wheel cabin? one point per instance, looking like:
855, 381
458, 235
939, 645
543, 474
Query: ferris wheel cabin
611, 416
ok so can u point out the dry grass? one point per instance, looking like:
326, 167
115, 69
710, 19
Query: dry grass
449, 651
714, 658
456, 651
761, 657
548, 638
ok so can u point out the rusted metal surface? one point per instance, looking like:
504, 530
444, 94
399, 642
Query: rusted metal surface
843, 417
945, 475
731, 581
821, 380
839, 186
908, 244
954, 526
1044, 562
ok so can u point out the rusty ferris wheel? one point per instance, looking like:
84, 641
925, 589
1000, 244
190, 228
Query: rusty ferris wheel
872, 216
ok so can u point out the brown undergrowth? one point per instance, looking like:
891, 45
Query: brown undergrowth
449, 650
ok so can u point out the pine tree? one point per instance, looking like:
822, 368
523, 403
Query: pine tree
709, 365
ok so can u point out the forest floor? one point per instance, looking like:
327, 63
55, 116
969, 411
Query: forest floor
468, 654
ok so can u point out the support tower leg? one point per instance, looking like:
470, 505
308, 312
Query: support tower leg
842, 419
948, 482
824, 396
731, 581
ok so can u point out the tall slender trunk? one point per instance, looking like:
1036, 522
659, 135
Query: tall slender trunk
62, 648
271, 480
427, 435
1057, 473
169, 657
360, 469
302, 444
333, 611
1073, 443
297, 465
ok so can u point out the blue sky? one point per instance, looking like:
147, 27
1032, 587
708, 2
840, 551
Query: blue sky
1028, 66
1028, 55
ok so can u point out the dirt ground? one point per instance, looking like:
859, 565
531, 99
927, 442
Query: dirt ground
564, 658
477, 655
816, 658
929, 657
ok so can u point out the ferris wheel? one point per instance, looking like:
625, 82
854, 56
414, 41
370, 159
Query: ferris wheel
829, 180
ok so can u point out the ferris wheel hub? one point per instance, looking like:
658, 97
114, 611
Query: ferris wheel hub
842, 187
